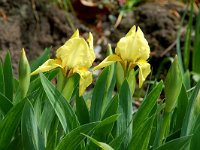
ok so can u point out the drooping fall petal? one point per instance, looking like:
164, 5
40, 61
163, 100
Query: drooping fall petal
144, 70
85, 79
48, 65
108, 61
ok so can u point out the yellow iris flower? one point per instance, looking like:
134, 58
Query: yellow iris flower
75, 56
132, 50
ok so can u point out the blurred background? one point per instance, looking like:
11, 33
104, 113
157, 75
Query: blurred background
39, 24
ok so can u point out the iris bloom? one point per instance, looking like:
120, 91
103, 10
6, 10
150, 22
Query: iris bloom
132, 50
75, 56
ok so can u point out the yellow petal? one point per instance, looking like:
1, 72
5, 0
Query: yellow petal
85, 79
131, 31
144, 70
76, 34
76, 53
133, 46
90, 40
48, 65
108, 61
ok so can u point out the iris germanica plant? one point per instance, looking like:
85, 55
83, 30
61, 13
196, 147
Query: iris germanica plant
75, 56
132, 50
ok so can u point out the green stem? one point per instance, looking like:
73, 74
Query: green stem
60, 81
68, 88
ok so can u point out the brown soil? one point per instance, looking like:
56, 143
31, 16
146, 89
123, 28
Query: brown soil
36, 25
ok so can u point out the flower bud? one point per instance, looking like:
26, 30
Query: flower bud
24, 74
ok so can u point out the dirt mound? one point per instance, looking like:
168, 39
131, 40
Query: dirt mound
36, 25
32, 25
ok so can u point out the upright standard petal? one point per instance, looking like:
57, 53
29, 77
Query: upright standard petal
76, 52
144, 70
108, 61
133, 46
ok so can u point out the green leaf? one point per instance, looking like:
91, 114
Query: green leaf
196, 52
45, 118
2, 88
82, 110
173, 85
194, 144
112, 107
147, 106
188, 120
31, 136
98, 96
72, 140
102, 145
39, 61
116, 143
5, 104
187, 42
110, 85
178, 144
52, 136
62, 108
103, 129
181, 108
141, 137
125, 110
9, 124
8, 77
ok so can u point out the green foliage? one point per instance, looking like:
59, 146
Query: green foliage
47, 113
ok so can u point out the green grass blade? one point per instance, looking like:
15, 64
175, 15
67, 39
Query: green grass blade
188, 119
5, 104
125, 111
177, 144
82, 111
98, 96
72, 140
31, 136
187, 43
178, 43
8, 77
9, 125
196, 49
2, 88
147, 106
62, 108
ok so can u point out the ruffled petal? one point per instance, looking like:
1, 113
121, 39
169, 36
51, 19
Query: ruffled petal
76, 53
75, 35
85, 79
48, 65
144, 70
91, 47
133, 46
108, 61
